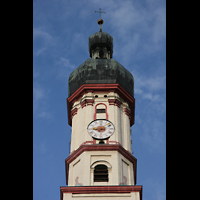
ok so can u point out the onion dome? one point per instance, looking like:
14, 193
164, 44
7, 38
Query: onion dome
101, 71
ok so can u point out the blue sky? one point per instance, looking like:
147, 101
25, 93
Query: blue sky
60, 44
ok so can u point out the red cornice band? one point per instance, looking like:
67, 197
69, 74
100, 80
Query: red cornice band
101, 88
98, 147
101, 189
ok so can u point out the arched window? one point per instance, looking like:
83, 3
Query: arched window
101, 111
101, 173
101, 54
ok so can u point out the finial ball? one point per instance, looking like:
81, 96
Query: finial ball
100, 21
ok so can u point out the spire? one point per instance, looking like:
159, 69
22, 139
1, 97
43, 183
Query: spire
100, 21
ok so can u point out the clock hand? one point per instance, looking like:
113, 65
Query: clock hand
106, 124
95, 128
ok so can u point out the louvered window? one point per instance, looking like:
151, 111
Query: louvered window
101, 110
101, 173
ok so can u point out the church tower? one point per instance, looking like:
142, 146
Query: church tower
101, 110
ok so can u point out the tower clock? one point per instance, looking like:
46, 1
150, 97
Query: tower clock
100, 129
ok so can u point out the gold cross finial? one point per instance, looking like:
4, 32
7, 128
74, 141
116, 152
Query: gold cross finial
100, 21
100, 12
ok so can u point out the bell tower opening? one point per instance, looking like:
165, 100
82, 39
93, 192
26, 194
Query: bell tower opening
101, 54
101, 111
101, 173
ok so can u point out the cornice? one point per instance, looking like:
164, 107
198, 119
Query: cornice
98, 147
101, 189
101, 88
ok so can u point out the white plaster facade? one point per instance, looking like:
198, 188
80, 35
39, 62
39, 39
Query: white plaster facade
118, 167
115, 114
81, 163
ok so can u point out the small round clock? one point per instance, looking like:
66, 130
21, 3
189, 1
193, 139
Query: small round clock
101, 129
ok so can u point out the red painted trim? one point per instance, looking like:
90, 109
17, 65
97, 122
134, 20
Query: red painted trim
115, 102
111, 101
86, 102
74, 112
105, 88
83, 103
113, 142
90, 102
94, 142
90, 91
88, 142
118, 103
127, 112
103, 147
101, 189
95, 111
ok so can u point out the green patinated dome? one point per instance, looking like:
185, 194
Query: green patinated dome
101, 40
101, 68
96, 71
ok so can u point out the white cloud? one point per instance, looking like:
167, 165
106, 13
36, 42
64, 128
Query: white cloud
152, 97
64, 67
139, 30
44, 114
40, 51
153, 134
159, 24
65, 62
126, 16
149, 90
150, 123
150, 87
40, 96
38, 93
38, 32
41, 41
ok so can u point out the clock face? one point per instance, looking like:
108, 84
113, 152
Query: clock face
101, 129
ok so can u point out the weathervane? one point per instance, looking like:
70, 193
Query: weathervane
100, 21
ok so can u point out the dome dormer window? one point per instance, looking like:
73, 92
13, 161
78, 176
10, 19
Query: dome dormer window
101, 54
